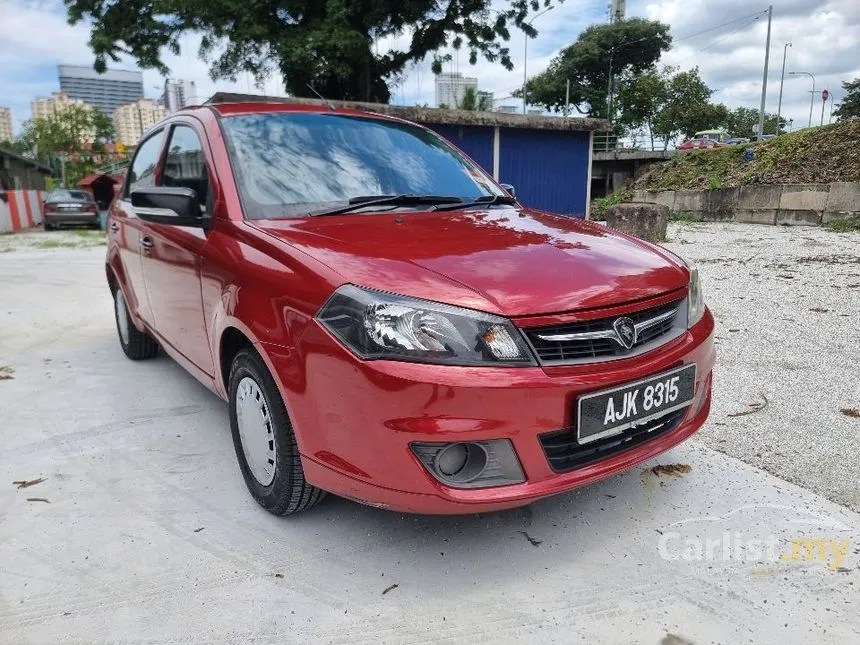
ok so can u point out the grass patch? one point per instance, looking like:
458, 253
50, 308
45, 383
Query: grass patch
57, 244
600, 206
89, 234
847, 225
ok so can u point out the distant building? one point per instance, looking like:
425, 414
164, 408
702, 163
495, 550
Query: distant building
537, 111
105, 91
6, 133
451, 86
177, 94
508, 109
45, 108
485, 99
57, 102
132, 120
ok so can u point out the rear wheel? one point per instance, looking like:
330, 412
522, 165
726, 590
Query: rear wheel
49, 227
264, 439
137, 345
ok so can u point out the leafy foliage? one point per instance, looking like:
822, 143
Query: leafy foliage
687, 108
601, 205
850, 105
475, 101
328, 44
847, 225
743, 122
630, 46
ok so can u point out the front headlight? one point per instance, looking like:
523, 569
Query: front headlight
377, 325
695, 298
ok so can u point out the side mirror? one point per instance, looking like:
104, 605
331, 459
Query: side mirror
172, 205
511, 190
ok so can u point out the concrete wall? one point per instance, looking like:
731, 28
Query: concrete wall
803, 204
20, 209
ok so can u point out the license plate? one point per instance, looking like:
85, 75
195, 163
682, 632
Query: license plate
610, 412
69, 207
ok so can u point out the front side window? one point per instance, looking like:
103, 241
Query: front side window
142, 171
185, 164
289, 164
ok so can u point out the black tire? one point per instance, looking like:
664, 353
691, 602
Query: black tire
48, 227
138, 345
288, 491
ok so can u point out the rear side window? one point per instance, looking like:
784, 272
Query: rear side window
185, 164
69, 195
142, 172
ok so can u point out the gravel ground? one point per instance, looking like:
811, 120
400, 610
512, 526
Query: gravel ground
787, 305
65, 239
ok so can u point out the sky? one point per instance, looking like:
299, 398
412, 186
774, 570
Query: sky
825, 37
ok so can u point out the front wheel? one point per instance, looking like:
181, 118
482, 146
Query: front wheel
137, 345
264, 439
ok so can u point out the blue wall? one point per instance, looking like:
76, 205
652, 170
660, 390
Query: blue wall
548, 168
476, 141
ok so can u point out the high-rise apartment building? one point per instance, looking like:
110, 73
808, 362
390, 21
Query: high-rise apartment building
178, 94
6, 133
132, 120
57, 102
451, 86
105, 91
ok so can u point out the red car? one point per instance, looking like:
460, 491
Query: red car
388, 324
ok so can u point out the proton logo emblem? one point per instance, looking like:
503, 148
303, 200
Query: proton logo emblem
625, 332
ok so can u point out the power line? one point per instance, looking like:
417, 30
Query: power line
725, 24
715, 41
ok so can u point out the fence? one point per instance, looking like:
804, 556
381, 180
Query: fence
20, 209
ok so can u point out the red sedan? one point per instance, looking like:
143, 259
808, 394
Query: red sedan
388, 324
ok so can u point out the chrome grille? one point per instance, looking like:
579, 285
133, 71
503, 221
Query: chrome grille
594, 340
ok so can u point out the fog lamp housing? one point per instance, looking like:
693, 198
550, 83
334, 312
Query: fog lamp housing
471, 464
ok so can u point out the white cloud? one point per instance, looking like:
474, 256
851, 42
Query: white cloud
34, 38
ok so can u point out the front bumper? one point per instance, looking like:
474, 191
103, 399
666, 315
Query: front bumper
355, 420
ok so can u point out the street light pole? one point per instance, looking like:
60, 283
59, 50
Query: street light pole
811, 98
781, 82
823, 103
764, 75
526, 56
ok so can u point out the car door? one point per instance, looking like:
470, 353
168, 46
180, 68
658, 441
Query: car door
171, 255
128, 230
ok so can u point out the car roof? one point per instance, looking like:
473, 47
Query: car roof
269, 107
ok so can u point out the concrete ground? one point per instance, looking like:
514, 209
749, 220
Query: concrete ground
143, 532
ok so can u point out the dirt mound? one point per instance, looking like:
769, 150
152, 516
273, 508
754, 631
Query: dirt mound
812, 156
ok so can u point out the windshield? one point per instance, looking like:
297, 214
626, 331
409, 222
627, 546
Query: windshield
290, 164
69, 195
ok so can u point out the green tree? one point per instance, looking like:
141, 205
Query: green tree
62, 133
469, 100
743, 122
629, 46
850, 105
642, 96
475, 101
102, 125
687, 108
329, 44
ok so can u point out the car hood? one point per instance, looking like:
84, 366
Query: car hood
503, 260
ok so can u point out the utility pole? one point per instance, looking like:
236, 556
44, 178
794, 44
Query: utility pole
567, 97
781, 82
764, 76
526, 57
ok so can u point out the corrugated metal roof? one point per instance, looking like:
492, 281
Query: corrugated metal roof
430, 116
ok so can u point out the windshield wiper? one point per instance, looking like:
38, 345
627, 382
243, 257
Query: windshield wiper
488, 200
363, 201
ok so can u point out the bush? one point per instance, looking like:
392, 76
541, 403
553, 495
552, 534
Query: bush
601, 205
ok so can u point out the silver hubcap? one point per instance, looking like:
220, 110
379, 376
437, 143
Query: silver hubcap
121, 317
255, 430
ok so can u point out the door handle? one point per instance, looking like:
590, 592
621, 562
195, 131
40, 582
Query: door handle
114, 227
145, 242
